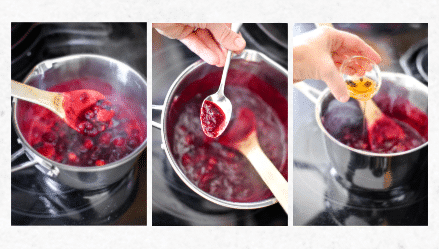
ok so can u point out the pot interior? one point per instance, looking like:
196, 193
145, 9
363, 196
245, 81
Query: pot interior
254, 78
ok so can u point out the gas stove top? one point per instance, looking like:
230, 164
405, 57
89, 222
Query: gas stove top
173, 203
320, 198
38, 199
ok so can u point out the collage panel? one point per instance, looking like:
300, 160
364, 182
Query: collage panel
79, 117
360, 124
205, 151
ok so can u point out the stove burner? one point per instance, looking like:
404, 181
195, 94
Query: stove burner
422, 63
406, 205
35, 42
39, 200
270, 40
414, 62
278, 32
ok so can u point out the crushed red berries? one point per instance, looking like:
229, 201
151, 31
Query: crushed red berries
212, 119
106, 134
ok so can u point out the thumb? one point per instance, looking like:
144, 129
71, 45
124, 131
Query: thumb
332, 77
226, 37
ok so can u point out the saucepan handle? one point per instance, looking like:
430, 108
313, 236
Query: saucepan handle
157, 108
49, 170
21, 166
310, 92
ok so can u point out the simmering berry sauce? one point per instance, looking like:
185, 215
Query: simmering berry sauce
216, 169
212, 118
87, 111
95, 119
107, 132
344, 122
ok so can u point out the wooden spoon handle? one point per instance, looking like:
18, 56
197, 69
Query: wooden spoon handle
268, 172
50, 100
371, 111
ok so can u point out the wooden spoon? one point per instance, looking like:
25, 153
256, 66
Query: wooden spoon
242, 136
381, 129
69, 106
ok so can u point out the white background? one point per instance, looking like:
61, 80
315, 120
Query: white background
217, 11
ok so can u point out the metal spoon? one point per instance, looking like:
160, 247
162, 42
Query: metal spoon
219, 99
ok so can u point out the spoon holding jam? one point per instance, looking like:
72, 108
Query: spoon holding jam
216, 109
86, 111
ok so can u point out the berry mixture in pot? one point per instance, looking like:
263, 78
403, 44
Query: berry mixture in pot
96, 119
108, 130
221, 171
344, 122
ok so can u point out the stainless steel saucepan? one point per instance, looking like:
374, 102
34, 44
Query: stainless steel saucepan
46, 74
249, 61
364, 171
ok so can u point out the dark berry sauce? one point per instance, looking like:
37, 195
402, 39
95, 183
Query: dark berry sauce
107, 132
219, 170
344, 122
95, 119
212, 118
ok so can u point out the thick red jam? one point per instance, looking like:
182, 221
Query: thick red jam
219, 170
107, 132
212, 118
344, 122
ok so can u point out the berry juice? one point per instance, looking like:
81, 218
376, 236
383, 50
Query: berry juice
219, 170
97, 143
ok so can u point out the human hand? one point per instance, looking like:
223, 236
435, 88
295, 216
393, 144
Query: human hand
319, 54
210, 41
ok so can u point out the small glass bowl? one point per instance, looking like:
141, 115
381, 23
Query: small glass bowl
362, 77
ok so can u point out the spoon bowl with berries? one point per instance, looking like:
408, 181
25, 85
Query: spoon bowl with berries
85, 111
